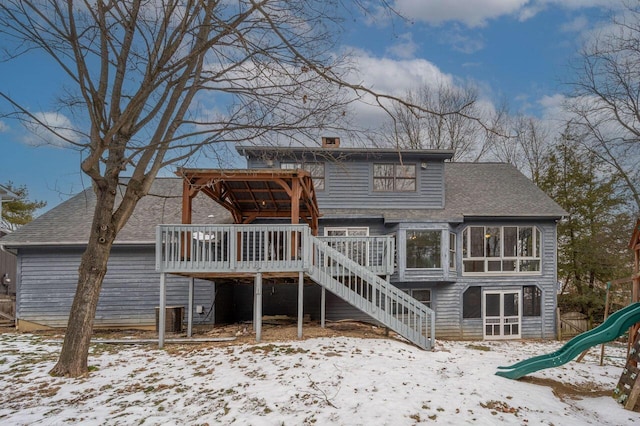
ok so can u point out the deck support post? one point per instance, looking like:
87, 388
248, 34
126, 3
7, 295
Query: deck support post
258, 306
323, 307
190, 308
300, 302
162, 310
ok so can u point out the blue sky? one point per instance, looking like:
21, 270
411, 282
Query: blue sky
514, 50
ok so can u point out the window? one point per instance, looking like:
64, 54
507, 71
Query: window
394, 177
354, 249
316, 170
423, 249
531, 301
359, 231
501, 249
472, 303
422, 295
452, 251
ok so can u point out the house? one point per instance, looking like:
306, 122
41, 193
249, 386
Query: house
49, 248
427, 247
7, 270
7, 260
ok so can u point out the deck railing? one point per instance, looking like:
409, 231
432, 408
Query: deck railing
227, 248
332, 262
202, 248
376, 253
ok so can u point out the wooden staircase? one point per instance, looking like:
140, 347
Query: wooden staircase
374, 296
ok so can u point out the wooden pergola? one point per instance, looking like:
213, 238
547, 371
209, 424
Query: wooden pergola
253, 194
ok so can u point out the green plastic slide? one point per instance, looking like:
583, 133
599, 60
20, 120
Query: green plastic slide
615, 326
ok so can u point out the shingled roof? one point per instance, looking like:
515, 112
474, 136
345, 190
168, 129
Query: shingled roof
70, 222
473, 191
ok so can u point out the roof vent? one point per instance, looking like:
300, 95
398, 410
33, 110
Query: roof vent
330, 142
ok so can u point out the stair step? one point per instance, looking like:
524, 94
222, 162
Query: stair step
388, 305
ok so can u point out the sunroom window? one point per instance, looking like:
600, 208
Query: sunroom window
501, 249
423, 249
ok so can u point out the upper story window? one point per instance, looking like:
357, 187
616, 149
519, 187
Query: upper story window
315, 169
423, 249
501, 249
394, 177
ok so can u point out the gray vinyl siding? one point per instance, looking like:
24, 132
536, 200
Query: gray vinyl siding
338, 309
448, 297
350, 183
129, 295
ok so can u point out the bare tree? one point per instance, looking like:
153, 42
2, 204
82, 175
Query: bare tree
533, 139
524, 142
451, 124
151, 83
606, 97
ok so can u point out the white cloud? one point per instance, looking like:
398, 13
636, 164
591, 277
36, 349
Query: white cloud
576, 25
554, 112
4, 127
580, 4
462, 42
50, 128
396, 76
392, 77
473, 14
405, 48
476, 13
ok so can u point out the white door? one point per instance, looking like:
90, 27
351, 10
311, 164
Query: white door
502, 316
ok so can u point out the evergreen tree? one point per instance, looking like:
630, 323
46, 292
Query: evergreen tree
19, 211
591, 241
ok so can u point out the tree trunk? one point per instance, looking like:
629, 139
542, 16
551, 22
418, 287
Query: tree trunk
93, 267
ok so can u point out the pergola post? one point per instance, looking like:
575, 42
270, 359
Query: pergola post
187, 206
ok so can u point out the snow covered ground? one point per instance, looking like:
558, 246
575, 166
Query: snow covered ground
320, 381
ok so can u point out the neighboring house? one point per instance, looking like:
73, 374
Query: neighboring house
7, 260
7, 270
405, 238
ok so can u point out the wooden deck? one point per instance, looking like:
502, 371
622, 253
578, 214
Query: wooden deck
351, 268
236, 251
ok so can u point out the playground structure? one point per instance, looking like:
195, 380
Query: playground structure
627, 319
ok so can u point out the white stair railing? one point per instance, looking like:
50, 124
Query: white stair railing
371, 294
